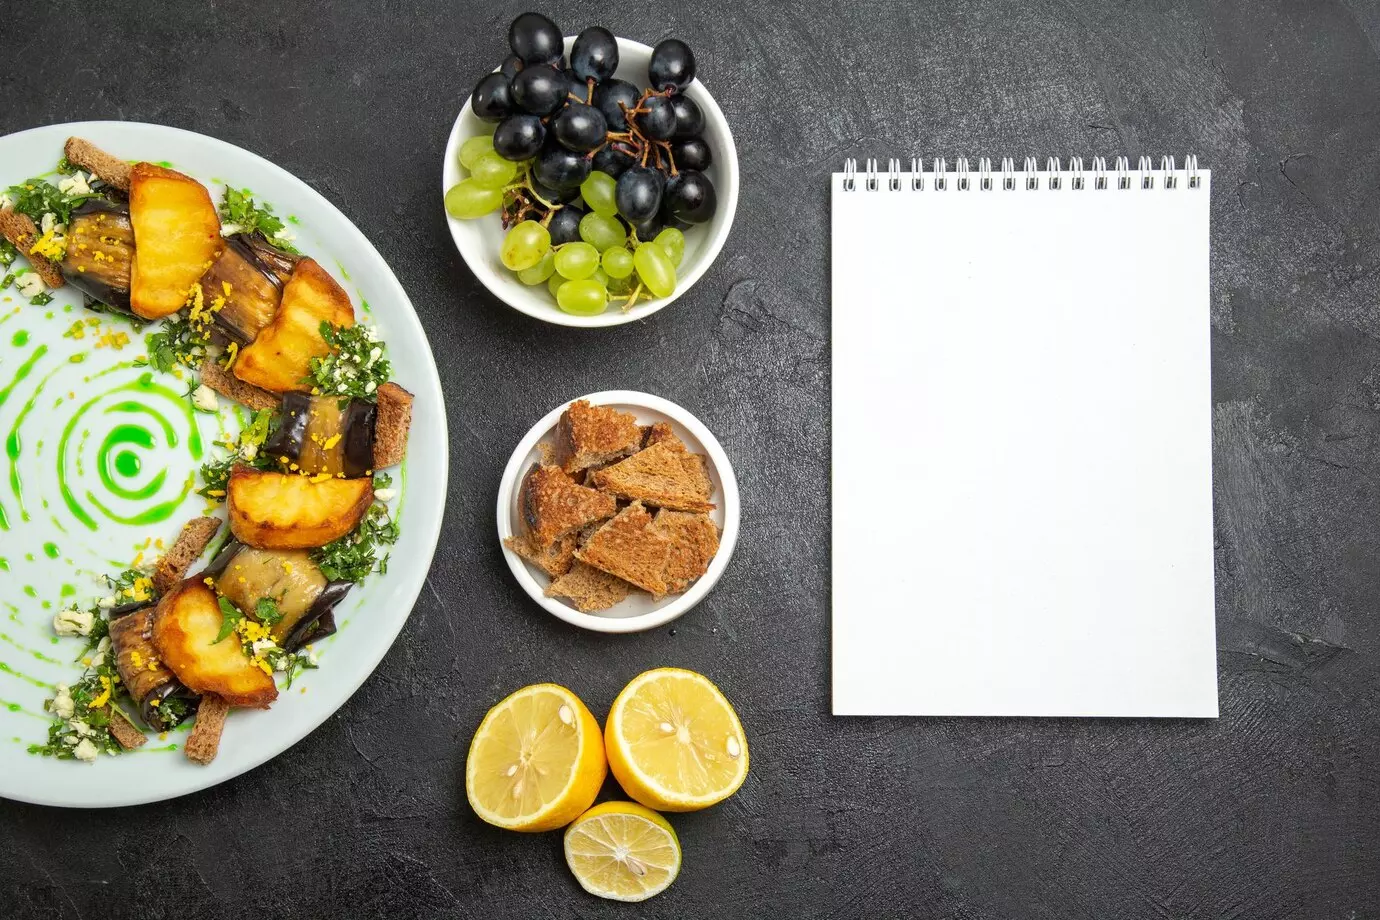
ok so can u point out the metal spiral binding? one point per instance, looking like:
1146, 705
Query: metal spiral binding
1053, 175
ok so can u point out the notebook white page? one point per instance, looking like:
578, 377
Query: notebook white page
1022, 485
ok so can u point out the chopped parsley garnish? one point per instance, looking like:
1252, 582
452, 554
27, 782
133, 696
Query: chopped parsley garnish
177, 343
7, 254
37, 197
355, 366
356, 555
82, 714
173, 711
243, 449
266, 611
291, 664
7, 281
230, 617
130, 585
239, 209
41, 299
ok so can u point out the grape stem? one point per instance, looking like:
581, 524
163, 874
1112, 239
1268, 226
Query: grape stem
631, 298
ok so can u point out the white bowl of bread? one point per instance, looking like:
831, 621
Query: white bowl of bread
618, 512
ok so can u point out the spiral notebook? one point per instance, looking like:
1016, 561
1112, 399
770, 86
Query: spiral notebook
1022, 482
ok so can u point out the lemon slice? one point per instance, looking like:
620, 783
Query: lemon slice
622, 851
537, 761
674, 743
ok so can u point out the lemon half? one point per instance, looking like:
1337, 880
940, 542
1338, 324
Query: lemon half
622, 851
537, 760
674, 742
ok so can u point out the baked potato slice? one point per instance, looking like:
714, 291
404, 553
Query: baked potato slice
279, 360
185, 627
292, 511
176, 238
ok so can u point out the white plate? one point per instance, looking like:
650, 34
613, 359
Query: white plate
370, 617
639, 611
479, 240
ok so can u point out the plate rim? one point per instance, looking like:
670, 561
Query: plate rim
340, 692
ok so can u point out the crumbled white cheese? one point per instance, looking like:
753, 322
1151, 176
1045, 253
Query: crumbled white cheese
285, 235
73, 622
230, 229
5, 201
106, 602
311, 658
86, 751
29, 284
63, 704
48, 222
260, 646
80, 727
385, 495
282, 662
98, 656
75, 184
204, 398
249, 451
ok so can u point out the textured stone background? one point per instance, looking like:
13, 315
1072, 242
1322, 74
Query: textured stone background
1271, 811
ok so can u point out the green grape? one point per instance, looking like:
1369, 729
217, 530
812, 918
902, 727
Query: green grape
582, 298
553, 284
617, 261
601, 276
474, 148
621, 286
468, 200
655, 269
673, 241
599, 193
492, 171
524, 245
577, 260
539, 272
602, 232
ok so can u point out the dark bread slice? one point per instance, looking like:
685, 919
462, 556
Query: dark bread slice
552, 505
20, 230
661, 433
111, 170
391, 426
627, 548
191, 543
231, 387
555, 560
588, 435
589, 589
203, 742
694, 541
661, 475
125, 733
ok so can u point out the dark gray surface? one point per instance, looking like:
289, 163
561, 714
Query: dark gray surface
1271, 811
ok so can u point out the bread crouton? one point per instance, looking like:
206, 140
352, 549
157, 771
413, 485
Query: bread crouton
172, 566
394, 419
661, 433
124, 732
232, 387
629, 549
589, 435
589, 589
555, 560
552, 505
694, 541
662, 476
20, 230
111, 170
203, 742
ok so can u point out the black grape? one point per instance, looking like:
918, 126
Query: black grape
539, 90
565, 225
579, 127
639, 193
689, 118
648, 229
659, 121
519, 137
594, 55
492, 99
672, 64
690, 196
692, 153
612, 161
535, 39
560, 168
608, 94
510, 66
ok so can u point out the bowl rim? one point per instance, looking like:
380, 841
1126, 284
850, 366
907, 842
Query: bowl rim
727, 159
728, 539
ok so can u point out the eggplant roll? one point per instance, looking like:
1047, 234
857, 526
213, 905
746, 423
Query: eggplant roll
321, 435
304, 597
100, 252
241, 291
149, 683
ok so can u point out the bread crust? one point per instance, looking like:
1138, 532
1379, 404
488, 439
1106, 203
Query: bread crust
589, 435
20, 230
626, 547
111, 170
391, 425
552, 505
203, 742
232, 387
173, 565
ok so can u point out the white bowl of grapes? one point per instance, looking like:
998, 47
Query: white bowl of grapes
589, 180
